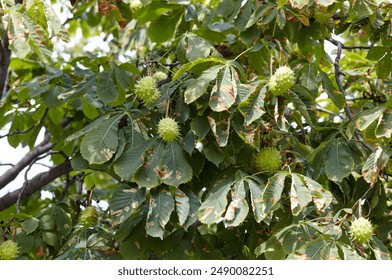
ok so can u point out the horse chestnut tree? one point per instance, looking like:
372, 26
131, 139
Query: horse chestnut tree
197, 130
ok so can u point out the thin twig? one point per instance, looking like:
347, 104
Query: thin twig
17, 131
338, 74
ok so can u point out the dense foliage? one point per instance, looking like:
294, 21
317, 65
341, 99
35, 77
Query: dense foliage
250, 162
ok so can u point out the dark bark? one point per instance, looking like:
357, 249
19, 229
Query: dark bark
5, 54
35, 184
14, 171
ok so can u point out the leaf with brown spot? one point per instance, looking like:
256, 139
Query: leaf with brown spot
160, 208
215, 204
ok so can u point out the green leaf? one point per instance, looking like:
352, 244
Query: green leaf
220, 127
308, 77
78, 90
318, 249
148, 174
194, 204
30, 225
253, 107
163, 28
199, 86
321, 197
250, 134
182, 206
100, 143
125, 201
200, 126
256, 188
174, 168
106, 86
51, 238
224, 92
274, 249
338, 163
295, 237
333, 93
384, 127
47, 222
365, 118
132, 157
375, 163
243, 17
272, 193
215, 204
17, 38
300, 195
238, 208
196, 47
381, 252
186, 67
63, 221
160, 208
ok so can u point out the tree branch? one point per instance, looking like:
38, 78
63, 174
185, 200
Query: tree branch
5, 54
338, 74
14, 171
35, 184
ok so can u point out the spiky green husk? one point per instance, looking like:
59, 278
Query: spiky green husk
361, 230
89, 216
146, 89
9, 250
281, 81
168, 129
268, 159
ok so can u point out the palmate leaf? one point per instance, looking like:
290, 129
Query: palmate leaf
154, 162
100, 143
160, 208
224, 92
215, 204
125, 200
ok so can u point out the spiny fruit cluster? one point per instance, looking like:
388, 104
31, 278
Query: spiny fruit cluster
281, 81
168, 129
89, 216
9, 250
361, 230
268, 159
146, 89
